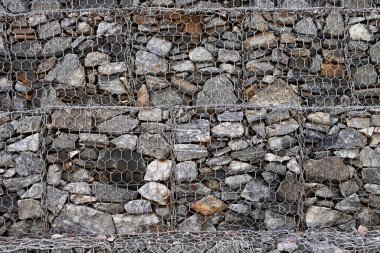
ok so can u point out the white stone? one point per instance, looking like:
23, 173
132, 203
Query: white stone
360, 32
155, 192
200, 54
113, 68
125, 141
30, 143
158, 170
229, 129
159, 46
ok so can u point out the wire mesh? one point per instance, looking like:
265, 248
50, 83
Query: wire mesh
202, 126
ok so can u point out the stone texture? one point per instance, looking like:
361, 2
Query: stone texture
82, 219
155, 192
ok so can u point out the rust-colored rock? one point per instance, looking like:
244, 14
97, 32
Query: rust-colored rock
333, 70
261, 40
208, 205
142, 97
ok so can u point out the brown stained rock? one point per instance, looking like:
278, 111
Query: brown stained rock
46, 65
208, 205
333, 70
261, 40
143, 97
184, 86
193, 24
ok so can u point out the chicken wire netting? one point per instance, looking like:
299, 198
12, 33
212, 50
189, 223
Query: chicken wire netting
218, 126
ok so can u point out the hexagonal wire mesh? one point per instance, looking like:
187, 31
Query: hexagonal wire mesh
236, 123
22, 168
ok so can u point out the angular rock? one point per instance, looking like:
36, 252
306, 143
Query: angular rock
120, 124
109, 29
196, 131
261, 40
154, 145
76, 175
360, 32
29, 209
155, 192
184, 86
371, 175
226, 55
319, 118
26, 49
48, 30
34, 192
283, 142
350, 204
96, 59
185, 152
372, 188
84, 220
369, 157
236, 182
149, 63
111, 208
230, 116
334, 25
366, 75
156, 83
256, 191
318, 217
374, 53
159, 46
81, 188
182, 66
191, 224
153, 115
113, 86
168, 97
186, 172
289, 189
28, 164
259, 68
348, 188
329, 168
208, 205
211, 95
125, 141
113, 68
191, 190
228, 129
15, 184
276, 221
139, 206
30, 143
251, 154
65, 141
200, 54
82, 199
111, 193
347, 138
54, 174
277, 93
56, 46
133, 224
237, 144
158, 170
68, 71
27, 125
283, 128
6, 131
55, 199
306, 26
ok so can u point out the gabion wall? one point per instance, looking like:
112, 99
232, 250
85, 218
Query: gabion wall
143, 120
